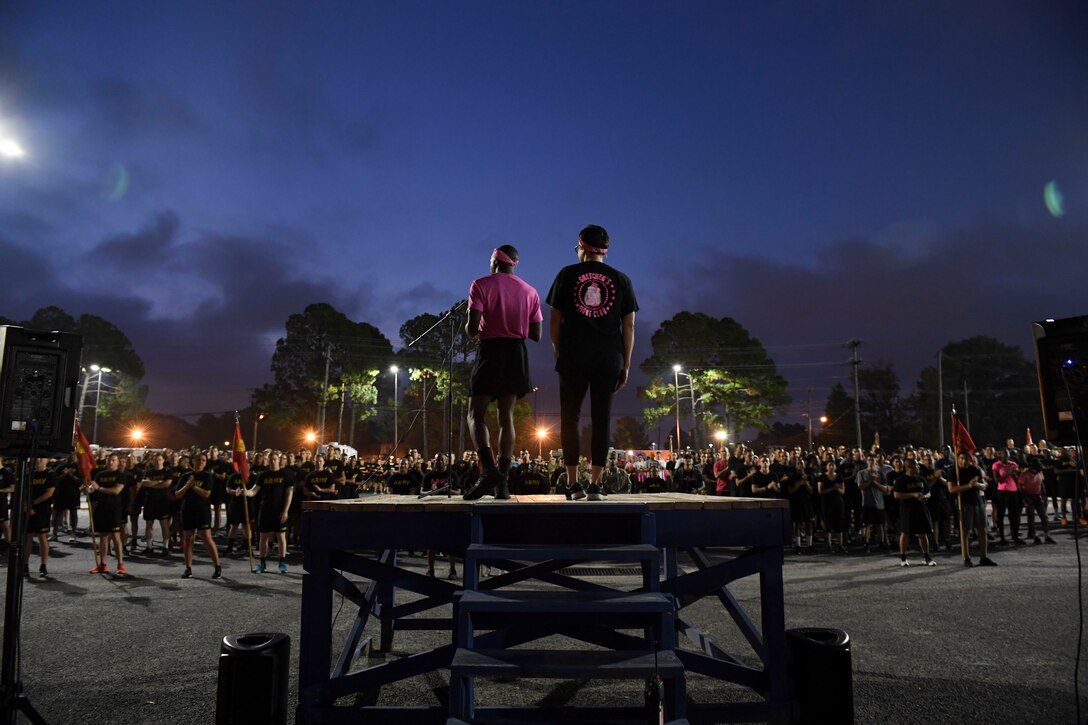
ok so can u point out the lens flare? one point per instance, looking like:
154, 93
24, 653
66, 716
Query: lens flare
1055, 202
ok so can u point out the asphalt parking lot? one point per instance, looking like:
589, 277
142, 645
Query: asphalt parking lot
934, 645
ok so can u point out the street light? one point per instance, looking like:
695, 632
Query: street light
137, 436
541, 434
396, 430
676, 389
258, 419
97, 399
720, 436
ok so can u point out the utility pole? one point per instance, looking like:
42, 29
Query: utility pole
351, 425
324, 396
940, 399
340, 419
966, 407
809, 416
856, 361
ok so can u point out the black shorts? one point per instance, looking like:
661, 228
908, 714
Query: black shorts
38, 523
834, 509
195, 519
66, 500
914, 519
236, 510
157, 506
271, 525
219, 492
106, 518
501, 368
872, 516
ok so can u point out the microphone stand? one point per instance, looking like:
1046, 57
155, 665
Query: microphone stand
11, 688
452, 316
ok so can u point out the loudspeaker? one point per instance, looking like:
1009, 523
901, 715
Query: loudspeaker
39, 374
1061, 360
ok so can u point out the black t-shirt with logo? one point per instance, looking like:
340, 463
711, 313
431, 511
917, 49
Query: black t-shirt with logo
594, 298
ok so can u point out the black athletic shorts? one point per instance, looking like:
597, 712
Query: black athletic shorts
501, 368
914, 519
195, 519
271, 525
38, 523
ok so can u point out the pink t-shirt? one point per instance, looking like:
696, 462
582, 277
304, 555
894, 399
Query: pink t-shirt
1031, 483
508, 304
1005, 473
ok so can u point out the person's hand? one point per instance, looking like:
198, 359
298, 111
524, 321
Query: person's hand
622, 379
283, 518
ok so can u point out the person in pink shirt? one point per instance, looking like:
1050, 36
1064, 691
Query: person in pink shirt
503, 310
1033, 496
1006, 473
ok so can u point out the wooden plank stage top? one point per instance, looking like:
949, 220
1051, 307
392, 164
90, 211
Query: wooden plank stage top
443, 504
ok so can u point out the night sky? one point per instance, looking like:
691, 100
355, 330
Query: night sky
197, 171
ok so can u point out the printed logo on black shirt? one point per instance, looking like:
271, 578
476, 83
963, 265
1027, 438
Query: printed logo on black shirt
594, 294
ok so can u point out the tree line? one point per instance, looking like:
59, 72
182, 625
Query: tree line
334, 376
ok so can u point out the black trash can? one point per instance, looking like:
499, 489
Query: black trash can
819, 664
253, 675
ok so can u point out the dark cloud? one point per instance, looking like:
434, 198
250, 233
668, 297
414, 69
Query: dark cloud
905, 305
125, 109
134, 252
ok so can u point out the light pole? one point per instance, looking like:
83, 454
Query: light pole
676, 390
541, 434
97, 399
396, 437
258, 419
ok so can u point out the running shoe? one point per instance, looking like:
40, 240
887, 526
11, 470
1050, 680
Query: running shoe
986, 561
1050, 540
452, 573
595, 493
283, 567
259, 569
99, 569
121, 570
575, 492
930, 562
188, 573
1082, 521
42, 571
71, 539
218, 573
904, 562
1064, 521
968, 563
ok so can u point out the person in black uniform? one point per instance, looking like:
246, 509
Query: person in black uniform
66, 500
320, 483
592, 329
155, 490
43, 484
196, 515
105, 497
275, 488
832, 493
402, 482
910, 490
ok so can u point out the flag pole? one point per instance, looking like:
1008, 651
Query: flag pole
244, 475
959, 495
85, 464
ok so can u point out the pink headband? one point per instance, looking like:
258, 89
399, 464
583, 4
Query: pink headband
503, 257
592, 250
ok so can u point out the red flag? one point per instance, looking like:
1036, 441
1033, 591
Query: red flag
961, 439
84, 457
241, 463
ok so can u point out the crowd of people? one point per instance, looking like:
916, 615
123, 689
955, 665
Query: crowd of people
163, 502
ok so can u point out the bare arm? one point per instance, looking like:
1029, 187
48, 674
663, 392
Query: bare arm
628, 347
536, 330
555, 323
472, 327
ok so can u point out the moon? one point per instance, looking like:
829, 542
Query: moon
1052, 195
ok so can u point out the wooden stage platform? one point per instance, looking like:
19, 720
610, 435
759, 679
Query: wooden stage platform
530, 540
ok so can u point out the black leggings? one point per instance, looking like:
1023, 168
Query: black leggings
572, 391
1008, 502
